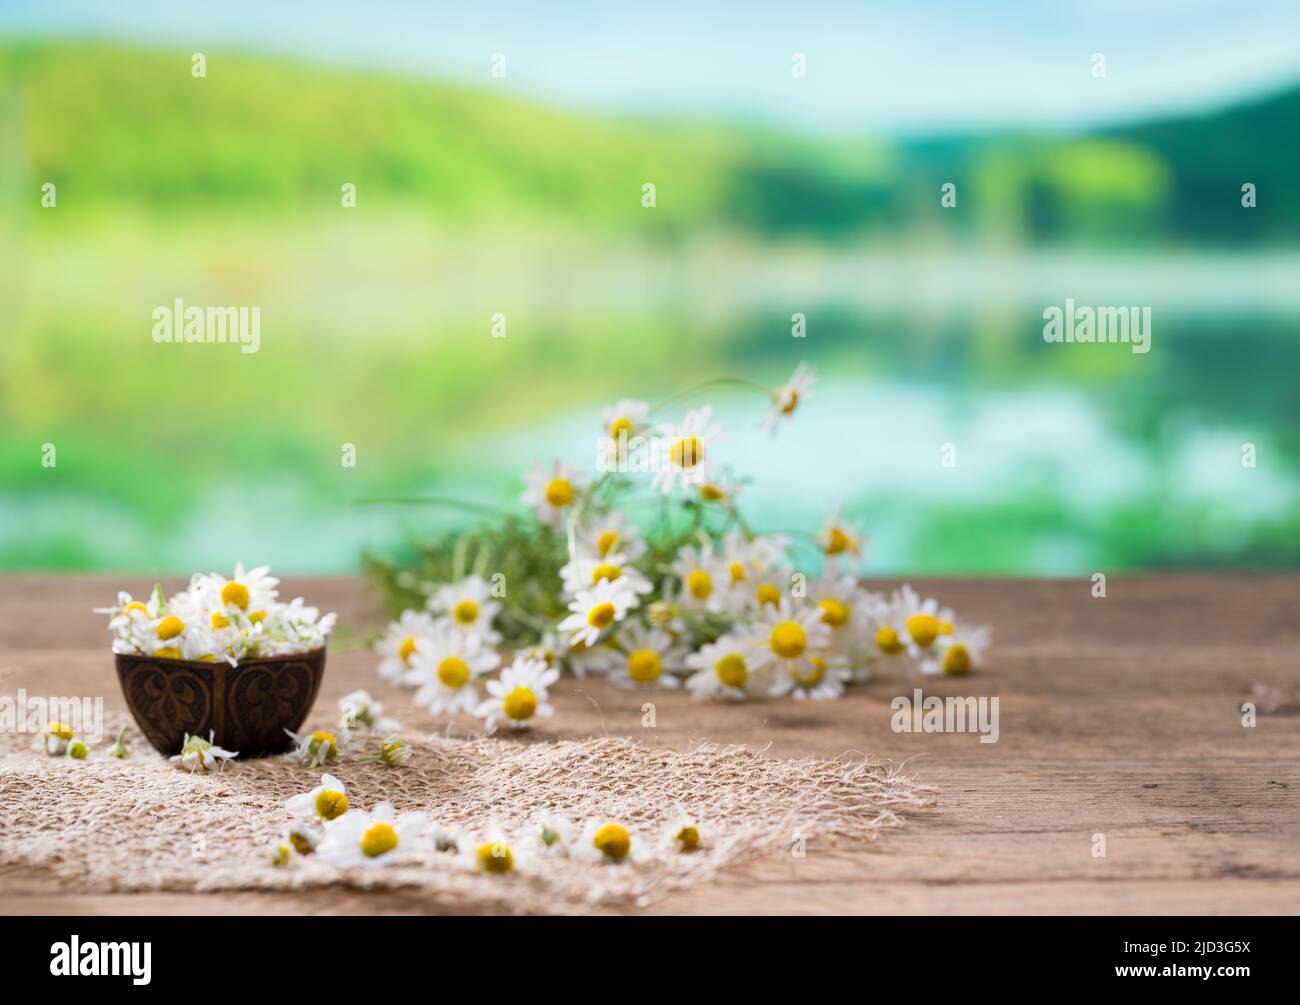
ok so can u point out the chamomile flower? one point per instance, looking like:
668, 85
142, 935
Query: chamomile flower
493, 852
199, 754
280, 853
394, 751
686, 455
585, 572
783, 639
960, 651
609, 842
610, 534
552, 836
719, 493
468, 607
683, 833
518, 695
303, 836
843, 605
361, 840
787, 397
357, 710
646, 657
247, 592
551, 492
626, 421
56, 738
820, 676
840, 539
703, 578
325, 802
922, 621
749, 562
884, 634
322, 747
724, 671
397, 646
77, 750
595, 610
445, 668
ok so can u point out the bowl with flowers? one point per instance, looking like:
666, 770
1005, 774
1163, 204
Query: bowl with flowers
224, 659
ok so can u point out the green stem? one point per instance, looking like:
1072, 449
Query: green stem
715, 382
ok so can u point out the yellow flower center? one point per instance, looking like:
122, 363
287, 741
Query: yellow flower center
466, 612
605, 571
887, 641
60, 730
699, 584
924, 629
324, 744
613, 841
559, 492
812, 674
520, 704
493, 857
331, 803
607, 542
280, 854
788, 640
135, 605
168, 653
219, 620
688, 838
791, 402
737, 570
644, 666
453, 672
257, 617
956, 660
78, 750
601, 616
731, 670
620, 425
687, 452
207, 658
302, 844
378, 839
946, 628
834, 612
838, 542
235, 593
170, 626
406, 650
712, 493
766, 594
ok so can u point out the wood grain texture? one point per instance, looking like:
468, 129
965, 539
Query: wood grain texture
1119, 716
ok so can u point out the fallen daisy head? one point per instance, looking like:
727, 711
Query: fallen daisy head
362, 840
608, 841
321, 747
325, 802
199, 754
519, 694
56, 738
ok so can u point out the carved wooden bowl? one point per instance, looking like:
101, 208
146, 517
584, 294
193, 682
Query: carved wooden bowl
247, 707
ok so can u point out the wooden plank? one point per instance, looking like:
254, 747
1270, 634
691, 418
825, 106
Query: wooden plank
1118, 716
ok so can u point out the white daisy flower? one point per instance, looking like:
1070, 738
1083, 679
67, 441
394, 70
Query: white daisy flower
724, 671
718, 493
885, 634
551, 492
839, 538
77, 750
553, 836
199, 754
280, 853
703, 579
303, 837
446, 667
685, 456
682, 833
56, 738
820, 676
494, 852
920, 622
626, 423
608, 842
518, 694
610, 534
844, 607
359, 839
583, 573
247, 592
783, 639
398, 643
595, 610
325, 802
646, 657
749, 563
357, 710
468, 606
786, 398
322, 747
959, 651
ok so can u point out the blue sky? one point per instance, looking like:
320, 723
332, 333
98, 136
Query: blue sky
927, 65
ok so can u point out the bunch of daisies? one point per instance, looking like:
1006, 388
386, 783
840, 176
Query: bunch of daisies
216, 618
696, 598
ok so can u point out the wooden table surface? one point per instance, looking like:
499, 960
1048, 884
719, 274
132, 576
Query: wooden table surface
1119, 716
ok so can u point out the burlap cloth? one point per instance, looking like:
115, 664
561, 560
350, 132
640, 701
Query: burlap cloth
141, 824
